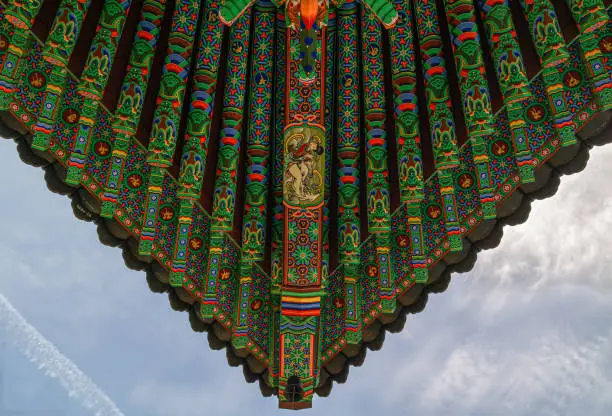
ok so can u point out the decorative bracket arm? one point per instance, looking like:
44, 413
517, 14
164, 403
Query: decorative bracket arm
233, 9
383, 10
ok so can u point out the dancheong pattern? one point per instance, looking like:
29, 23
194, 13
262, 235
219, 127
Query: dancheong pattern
299, 174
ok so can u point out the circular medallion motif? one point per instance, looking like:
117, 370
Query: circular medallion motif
237, 47
500, 148
434, 211
37, 79
338, 302
4, 43
256, 304
102, 149
348, 81
225, 274
212, 16
134, 181
302, 271
605, 44
372, 270
70, 115
167, 213
572, 78
465, 181
536, 113
402, 240
196, 243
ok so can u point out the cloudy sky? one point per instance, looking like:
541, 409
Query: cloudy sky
526, 332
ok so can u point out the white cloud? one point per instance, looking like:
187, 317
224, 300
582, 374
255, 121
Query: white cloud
545, 376
218, 396
52, 362
564, 242
525, 332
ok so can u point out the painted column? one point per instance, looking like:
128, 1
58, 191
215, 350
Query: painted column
330, 105
378, 195
230, 141
511, 78
56, 54
165, 126
278, 214
258, 157
475, 97
19, 17
348, 134
441, 120
93, 81
408, 136
552, 52
131, 98
197, 132
303, 200
592, 19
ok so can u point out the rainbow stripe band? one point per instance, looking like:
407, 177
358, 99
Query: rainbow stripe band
301, 306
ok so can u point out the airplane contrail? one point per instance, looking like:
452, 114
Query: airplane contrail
49, 359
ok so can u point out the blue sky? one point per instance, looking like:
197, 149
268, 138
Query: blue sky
526, 332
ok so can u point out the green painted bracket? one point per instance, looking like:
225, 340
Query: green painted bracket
383, 10
233, 9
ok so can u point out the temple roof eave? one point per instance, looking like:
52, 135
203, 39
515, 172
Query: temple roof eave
511, 211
